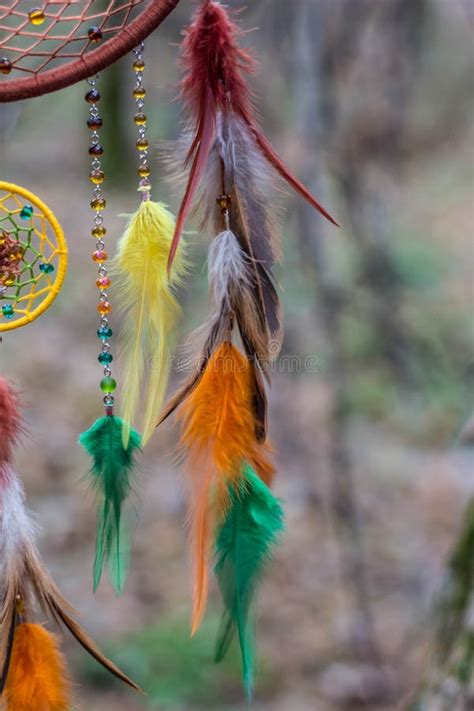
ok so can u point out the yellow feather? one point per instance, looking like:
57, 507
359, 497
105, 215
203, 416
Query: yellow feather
151, 311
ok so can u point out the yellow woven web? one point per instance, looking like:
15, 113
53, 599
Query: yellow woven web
27, 223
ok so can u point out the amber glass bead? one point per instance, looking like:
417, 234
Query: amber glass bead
142, 144
98, 204
96, 150
140, 119
144, 172
139, 65
99, 231
97, 176
99, 256
36, 16
95, 34
139, 93
224, 202
104, 307
92, 96
5, 65
95, 122
103, 282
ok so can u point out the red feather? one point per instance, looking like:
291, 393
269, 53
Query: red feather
10, 421
214, 67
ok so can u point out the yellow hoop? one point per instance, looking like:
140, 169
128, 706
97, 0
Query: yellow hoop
49, 235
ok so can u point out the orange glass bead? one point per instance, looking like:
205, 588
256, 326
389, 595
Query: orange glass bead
103, 282
5, 65
140, 119
99, 256
104, 307
142, 144
144, 172
139, 93
139, 65
224, 201
36, 16
98, 204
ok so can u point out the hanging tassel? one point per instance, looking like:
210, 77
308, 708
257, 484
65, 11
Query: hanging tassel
151, 311
38, 678
214, 87
244, 545
217, 435
23, 576
112, 473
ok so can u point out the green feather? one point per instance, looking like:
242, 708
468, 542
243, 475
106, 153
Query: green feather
244, 544
111, 470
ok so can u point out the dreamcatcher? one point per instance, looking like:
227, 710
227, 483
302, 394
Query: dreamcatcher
229, 174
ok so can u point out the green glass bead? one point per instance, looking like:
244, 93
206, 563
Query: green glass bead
105, 358
46, 268
8, 311
105, 333
108, 385
26, 212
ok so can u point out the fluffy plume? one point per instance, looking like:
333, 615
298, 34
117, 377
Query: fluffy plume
111, 472
23, 577
151, 311
214, 90
217, 436
10, 422
243, 545
38, 679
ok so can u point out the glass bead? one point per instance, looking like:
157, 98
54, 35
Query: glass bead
139, 93
104, 307
139, 65
94, 122
36, 16
92, 96
140, 119
108, 385
104, 333
103, 282
96, 149
99, 232
105, 358
99, 256
26, 212
5, 65
224, 201
97, 177
46, 268
144, 172
142, 144
95, 34
99, 204
8, 311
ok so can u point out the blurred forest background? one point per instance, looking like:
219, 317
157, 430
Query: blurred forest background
369, 602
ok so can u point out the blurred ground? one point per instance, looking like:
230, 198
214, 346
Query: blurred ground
412, 477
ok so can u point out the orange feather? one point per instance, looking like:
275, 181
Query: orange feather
218, 435
37, 679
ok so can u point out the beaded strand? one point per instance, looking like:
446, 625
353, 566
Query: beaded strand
140, 120
99, 256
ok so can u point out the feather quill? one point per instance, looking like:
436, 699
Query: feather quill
151, 311
244, 545
214, 84
217, 436
111, 471
38, 678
